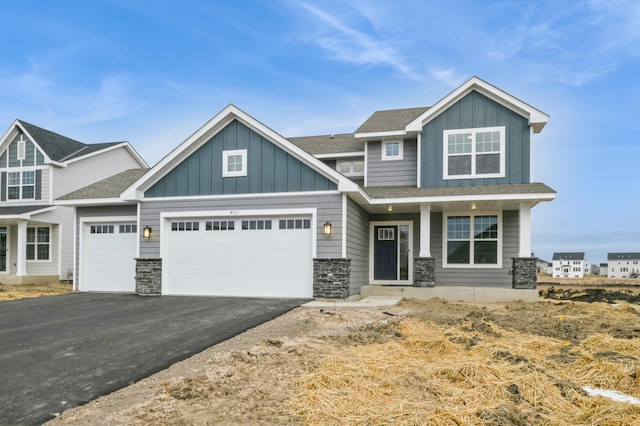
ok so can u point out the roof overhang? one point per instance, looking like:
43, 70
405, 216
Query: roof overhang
210, 129
537, 119
340, 155
92, 202
28, 214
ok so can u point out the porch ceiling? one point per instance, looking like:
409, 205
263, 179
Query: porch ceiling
386, 200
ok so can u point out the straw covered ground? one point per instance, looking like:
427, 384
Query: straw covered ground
420, 362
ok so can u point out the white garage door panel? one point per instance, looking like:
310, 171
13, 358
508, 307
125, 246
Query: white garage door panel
253, 263
108, 261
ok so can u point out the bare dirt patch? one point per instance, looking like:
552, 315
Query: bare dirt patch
420, 362
22, 291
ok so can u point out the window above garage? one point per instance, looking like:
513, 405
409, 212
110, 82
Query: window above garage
234, 163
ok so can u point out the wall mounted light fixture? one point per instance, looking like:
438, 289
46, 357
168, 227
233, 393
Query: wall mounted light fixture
147, 232
473, 206
390, 208
327, 229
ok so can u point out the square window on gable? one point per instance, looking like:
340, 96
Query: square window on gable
234, 163
391, 150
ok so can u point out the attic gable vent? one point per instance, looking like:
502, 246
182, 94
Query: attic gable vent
22, 148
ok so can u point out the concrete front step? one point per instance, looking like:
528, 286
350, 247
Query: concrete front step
453, 293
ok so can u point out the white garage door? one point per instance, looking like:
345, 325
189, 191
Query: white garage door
248, 257
108, 257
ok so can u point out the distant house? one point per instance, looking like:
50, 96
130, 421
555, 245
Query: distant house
569, 265
604, 269
623, 265
542, 266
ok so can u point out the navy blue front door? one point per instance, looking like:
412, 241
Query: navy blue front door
385, 253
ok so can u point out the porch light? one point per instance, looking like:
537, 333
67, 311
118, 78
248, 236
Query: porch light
390, 208
146, 232
473, 206
327, 229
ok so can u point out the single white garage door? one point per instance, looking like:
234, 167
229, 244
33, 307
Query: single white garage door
107, 261
247, 257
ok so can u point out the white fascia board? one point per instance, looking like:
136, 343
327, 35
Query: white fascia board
236, 196
226, 115
375, 135
340, 155
90, 202
125, 145
537, 118
450, 198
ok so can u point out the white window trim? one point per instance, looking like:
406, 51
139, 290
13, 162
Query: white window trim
225, 163
351, 173
473, 174
21, 170
50, 259
445, 264
391, 158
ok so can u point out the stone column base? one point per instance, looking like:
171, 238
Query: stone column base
149, 277
424, 272
524, 273
331, 278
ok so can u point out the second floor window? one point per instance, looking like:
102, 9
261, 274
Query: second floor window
474, 153
351, 167
21, 185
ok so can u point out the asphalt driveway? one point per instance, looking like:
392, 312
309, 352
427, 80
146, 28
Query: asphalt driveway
63, 351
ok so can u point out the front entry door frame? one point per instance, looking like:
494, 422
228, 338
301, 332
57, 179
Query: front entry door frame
372, 249
4, 249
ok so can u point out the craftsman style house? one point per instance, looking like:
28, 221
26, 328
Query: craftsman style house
36, 167
420, 197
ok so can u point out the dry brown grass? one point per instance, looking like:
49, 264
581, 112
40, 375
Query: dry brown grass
474, 373
22, 291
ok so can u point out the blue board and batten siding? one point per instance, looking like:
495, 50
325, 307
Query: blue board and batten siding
474, 111
392, 172
491, 277
269, 169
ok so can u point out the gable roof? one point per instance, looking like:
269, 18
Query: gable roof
109, 188
212, 127
61, 149
329, 144
537, 119
390, 120
623, 256
577, 255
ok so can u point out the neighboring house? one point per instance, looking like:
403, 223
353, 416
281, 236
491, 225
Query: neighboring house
36, 167
569, 265
623, 265
594, 269
420, 197
543, 266
604, 269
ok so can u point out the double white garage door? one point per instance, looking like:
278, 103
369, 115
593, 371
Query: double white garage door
247, 257
250, 257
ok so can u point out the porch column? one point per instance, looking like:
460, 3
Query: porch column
21, 261
525, 230
425, 230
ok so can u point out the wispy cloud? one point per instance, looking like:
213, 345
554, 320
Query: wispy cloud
350, 44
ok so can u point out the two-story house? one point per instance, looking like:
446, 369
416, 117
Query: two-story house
36, 167
623, 265
569, 265
435, 196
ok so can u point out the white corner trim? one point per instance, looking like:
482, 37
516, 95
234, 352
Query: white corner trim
419, 159
344, 226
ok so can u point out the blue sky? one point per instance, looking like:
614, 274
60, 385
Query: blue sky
153, 72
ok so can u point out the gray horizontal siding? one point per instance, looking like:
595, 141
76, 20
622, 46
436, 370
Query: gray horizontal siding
329, 208
473, 111
477, 276
392, 172
357, 245
269, 169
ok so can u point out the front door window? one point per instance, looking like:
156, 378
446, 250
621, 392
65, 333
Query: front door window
391, 249
3, 249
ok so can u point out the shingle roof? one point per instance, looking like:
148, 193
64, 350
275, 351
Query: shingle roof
326, 144
61, 148
578, 255
623, 256
390, 120
11, 210
446, 191
110, 187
